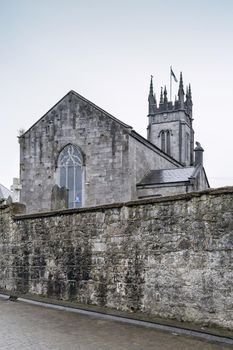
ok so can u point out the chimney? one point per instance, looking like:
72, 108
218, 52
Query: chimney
198, 154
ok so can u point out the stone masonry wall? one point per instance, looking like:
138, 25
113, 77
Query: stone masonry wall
179, 124
114, 159
170, 256
102, 140
141, 160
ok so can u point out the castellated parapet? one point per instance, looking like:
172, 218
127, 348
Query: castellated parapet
170, 123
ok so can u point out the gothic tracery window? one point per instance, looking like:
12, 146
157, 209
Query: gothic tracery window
70, 168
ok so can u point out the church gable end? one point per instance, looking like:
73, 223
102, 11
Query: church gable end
102, 140
79, 155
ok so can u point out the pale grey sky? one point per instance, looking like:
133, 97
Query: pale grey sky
106, 51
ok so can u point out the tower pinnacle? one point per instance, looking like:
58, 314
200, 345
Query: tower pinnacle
170, 123
190, 93
151, 97
151, 85
181, 91
165, 95
188, 102
161, 97
165, 100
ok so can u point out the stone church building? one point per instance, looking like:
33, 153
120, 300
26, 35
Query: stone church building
78, 155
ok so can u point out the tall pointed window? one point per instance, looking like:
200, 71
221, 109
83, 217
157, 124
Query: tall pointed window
70, 169
166, 141
187, 147
163, 141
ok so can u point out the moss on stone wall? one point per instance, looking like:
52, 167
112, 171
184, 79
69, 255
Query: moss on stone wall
170, 256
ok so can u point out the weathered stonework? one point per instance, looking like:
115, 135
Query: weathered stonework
170, 124
170, 256
115, 157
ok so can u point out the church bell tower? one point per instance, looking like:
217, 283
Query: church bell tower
170, 123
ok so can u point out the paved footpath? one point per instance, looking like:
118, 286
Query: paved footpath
24, 327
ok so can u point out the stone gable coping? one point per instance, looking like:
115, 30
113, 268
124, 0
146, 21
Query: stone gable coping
85, 100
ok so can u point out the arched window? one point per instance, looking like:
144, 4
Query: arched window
163, 140
70, 166
187, 146
166, 141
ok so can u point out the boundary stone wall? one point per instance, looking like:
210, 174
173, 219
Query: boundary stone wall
171, 256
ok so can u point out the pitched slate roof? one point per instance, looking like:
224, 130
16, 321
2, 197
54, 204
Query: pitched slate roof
4, 192
163, 176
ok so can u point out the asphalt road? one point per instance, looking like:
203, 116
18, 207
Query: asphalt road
24, 327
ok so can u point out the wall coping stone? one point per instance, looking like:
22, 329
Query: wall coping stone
14, 208
172, 198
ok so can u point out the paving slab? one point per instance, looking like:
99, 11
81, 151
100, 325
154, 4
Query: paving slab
24, 326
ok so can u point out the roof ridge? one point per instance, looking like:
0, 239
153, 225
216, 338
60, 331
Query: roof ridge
100, 109
84, 99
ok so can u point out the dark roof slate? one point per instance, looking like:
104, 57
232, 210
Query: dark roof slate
163, 176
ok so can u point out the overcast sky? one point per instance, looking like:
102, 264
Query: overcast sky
106, 51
